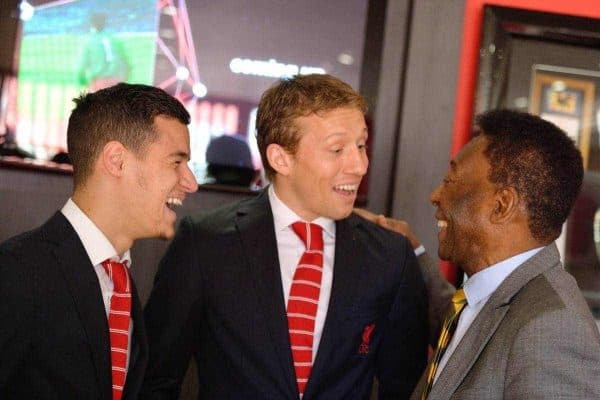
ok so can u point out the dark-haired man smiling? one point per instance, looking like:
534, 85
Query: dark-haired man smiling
71, 320
520, 328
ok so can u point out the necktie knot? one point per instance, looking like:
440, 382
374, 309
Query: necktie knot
311, 234
117, 272
458, 300
459, 297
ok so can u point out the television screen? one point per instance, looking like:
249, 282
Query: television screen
71, 46
216, 57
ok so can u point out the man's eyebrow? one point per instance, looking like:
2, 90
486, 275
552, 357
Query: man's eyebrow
180, 154
365, 132
452, 165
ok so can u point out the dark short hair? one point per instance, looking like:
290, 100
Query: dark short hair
295, 97
124, 112
539, 160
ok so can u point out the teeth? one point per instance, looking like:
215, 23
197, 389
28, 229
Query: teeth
442, 224
349, 188
173, 202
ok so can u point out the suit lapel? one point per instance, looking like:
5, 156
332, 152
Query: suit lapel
82, 283
138, 354
348, 268
487, 321
254, 222
468, 351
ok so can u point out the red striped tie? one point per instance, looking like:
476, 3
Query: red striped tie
118, 323
304, 299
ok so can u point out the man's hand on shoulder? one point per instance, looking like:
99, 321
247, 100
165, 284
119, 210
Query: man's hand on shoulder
392, 224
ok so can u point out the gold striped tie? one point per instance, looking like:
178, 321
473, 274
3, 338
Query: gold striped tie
458, 303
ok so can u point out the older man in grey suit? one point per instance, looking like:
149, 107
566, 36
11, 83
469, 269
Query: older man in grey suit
524, 331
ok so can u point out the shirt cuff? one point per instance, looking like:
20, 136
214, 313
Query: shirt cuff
419, 250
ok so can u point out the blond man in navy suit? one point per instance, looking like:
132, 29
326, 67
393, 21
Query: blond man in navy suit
221, 291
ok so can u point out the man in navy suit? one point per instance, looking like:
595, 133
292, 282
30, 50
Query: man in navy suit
62, 335
228, 290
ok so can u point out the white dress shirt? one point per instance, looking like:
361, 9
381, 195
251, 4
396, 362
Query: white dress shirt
290, 248
478, 289
98, 249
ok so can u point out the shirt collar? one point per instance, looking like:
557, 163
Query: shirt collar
95, 243
283, 216
481, 285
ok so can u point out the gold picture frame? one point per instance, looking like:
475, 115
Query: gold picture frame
565, 97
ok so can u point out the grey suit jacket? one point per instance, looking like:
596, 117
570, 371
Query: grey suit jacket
535, 338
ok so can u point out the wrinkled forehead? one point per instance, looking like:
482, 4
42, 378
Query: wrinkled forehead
476, 145
471, 159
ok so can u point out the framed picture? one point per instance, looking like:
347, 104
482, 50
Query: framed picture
565, 97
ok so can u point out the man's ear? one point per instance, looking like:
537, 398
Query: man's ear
112, 157
279, 159
506, 205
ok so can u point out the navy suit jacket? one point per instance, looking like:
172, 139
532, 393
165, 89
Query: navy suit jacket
218, 296
54, 341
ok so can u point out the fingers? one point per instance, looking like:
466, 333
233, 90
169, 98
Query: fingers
383, 221
367, 214
388, 223
391, 224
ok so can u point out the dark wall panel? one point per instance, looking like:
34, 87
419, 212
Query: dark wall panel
8, 32
427, 113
